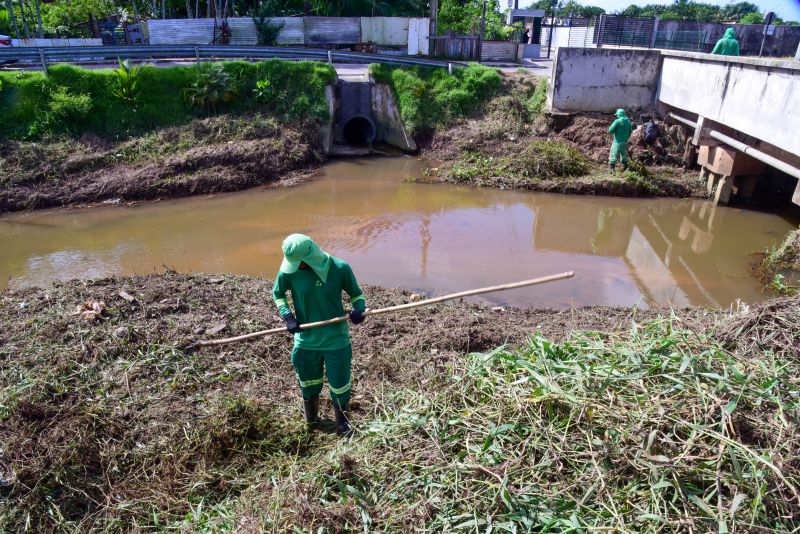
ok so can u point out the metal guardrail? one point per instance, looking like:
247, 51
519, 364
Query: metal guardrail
88, 54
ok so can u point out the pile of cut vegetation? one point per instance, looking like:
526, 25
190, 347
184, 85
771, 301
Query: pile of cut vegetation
466, 418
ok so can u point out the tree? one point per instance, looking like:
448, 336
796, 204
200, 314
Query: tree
738, 10
464, 17
752, 18
569, 9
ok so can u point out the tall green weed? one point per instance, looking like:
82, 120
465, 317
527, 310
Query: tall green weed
429, 98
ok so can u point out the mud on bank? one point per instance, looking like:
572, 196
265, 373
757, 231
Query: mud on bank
491, 150
217, 154
111, 425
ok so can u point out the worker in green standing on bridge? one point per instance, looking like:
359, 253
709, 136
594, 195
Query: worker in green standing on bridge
728, 45
316, 280
621, 128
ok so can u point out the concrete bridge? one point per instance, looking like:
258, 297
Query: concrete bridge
744, 112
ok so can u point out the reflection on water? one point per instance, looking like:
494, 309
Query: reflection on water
432, 238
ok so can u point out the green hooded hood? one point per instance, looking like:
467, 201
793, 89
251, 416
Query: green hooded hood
301, 248
728, 45
621, 113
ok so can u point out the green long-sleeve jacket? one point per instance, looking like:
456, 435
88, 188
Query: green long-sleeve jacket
621, 128
315, 300
728, 45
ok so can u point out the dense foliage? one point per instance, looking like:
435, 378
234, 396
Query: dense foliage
74, 101
431, 97
464, 18
741, 12
70, 18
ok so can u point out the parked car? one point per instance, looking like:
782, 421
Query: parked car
5, 42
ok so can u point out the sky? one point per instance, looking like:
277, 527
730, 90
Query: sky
787, 9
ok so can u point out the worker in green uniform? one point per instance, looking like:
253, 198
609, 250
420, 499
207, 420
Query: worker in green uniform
316, 280
728, 45
621, 128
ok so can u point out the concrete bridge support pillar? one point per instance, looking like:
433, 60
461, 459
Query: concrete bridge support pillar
728, 172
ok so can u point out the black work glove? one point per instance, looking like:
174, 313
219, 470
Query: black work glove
357, 316
291, 323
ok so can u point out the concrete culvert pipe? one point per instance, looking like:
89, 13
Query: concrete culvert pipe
359, 131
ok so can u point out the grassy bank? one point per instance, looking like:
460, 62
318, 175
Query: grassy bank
82, 136
502, 137
72, 101
467, 419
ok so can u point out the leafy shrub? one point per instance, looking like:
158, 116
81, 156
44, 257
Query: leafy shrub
211, 86
297, 93
266, 30
549, 159
262, 90
127, 81
538, 98
66, 106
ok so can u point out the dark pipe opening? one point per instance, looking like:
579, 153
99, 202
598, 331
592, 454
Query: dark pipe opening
359, 131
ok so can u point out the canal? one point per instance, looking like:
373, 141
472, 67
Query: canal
431, 238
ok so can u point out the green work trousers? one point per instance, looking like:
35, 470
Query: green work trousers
618, 151
309, 364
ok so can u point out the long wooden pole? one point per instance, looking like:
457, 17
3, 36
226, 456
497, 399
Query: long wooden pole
400, 307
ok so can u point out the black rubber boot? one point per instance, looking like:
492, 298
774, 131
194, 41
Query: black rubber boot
624, 167
311, 409
342, 425
612, 166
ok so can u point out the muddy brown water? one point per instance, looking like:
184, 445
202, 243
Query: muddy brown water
424, 237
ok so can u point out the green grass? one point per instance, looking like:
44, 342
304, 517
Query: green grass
73, 101
430, 98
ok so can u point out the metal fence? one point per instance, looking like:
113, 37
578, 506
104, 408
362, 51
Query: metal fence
618, 30
582, 32
90, 54
690, 41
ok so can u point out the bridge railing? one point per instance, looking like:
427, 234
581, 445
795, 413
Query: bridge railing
93, 54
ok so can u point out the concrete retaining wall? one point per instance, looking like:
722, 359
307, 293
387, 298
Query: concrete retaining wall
409, 34
387, 119
760, 98
603, 79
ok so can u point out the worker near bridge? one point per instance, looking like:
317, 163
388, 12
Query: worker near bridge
728, 45
315, 280
622, 129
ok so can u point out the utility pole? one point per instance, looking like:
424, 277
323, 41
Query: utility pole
39, 18
482, 30
24, 19
10, 9
767, 20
